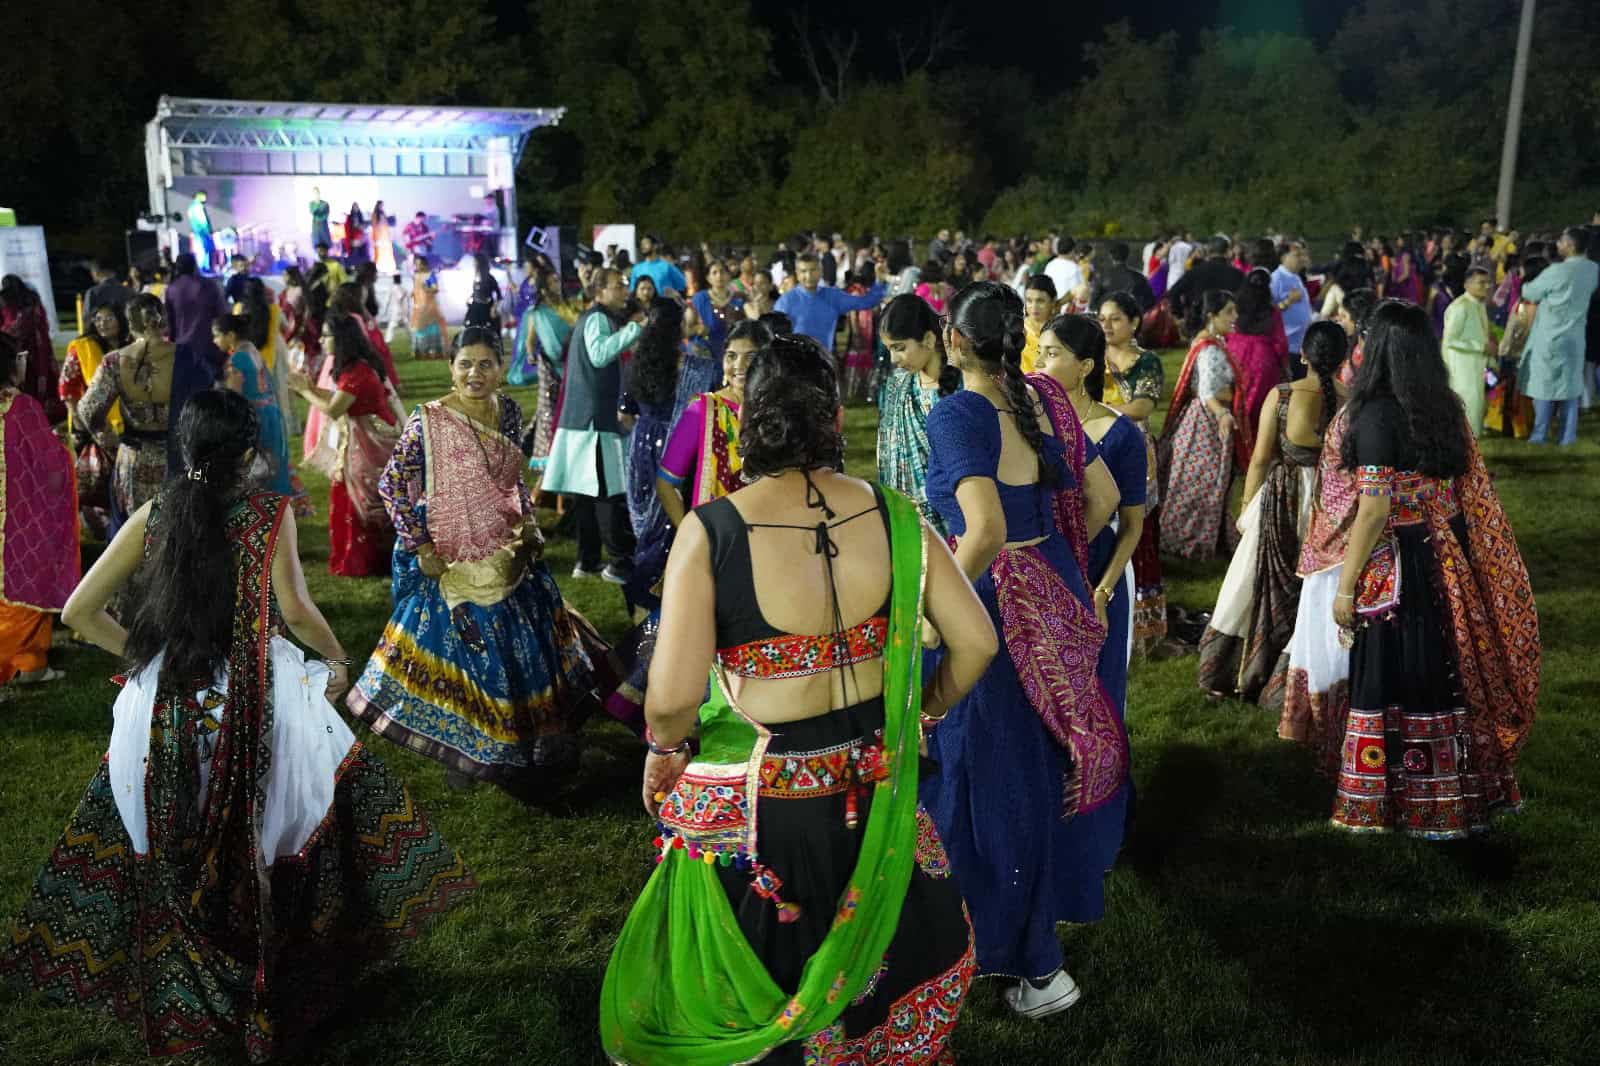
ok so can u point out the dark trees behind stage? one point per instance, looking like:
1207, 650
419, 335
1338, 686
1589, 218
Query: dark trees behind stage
679, 118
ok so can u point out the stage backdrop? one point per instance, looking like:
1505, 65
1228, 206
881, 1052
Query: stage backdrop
279, 203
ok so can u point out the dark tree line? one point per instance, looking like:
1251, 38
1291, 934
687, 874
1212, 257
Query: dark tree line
677, 118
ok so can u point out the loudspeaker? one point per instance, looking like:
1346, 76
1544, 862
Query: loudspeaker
144, 250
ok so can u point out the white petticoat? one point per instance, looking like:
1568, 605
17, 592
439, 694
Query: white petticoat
308, 741
1315, 649
1236, 600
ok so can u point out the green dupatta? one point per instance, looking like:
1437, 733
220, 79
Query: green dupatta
683, 984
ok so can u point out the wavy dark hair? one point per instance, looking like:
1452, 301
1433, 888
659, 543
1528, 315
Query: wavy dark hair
778, 322
317, 294
791, 406
653, 371
989, 316
94, 335
186, 588
1360, 303
1401, 361
348, 299
350, 345
1255, 303
257, 309
1533, 266
1083, 335
908, 317
146, 311
1202, 310
1324, 349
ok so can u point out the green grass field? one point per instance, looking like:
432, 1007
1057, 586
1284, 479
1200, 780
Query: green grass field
1239, 927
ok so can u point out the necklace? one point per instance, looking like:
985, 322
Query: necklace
491, 469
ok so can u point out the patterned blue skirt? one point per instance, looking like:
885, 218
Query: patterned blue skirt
497, 693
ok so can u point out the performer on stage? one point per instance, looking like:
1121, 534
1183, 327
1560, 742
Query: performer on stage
382, 242
200, 227
418, 237
321, 236
355, 235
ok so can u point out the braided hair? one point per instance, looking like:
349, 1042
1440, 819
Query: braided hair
187, 588
1324, 349
989, 316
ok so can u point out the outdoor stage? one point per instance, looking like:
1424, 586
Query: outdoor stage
262, 163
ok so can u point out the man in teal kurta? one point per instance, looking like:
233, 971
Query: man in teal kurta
1468, 345
1552, 366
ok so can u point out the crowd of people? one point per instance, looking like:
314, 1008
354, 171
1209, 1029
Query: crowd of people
884, 711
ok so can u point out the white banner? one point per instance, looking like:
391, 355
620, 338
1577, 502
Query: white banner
22, 253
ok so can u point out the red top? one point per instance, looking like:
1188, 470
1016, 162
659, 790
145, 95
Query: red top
362, 382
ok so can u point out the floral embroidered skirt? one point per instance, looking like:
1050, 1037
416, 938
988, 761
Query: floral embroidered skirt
1405, 761
1194, 503
497, 693
811, 784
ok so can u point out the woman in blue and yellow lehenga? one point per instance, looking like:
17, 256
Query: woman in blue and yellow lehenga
481, 666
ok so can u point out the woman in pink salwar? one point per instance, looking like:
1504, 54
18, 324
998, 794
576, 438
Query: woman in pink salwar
1259, 348
38, 524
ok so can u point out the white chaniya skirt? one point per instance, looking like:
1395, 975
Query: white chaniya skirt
309, 740
1229, 629
1316, 700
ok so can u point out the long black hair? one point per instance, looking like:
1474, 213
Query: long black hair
791, 404
258, 310
1401, 360
350, 345
908, 317
1083, 335
1324, 349
1360, 303
1254, 300
653, 372
989, 315
186, 601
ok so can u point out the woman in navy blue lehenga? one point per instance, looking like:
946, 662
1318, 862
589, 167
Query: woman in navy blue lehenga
1033, 763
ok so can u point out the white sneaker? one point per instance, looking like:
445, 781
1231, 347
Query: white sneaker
1055, 997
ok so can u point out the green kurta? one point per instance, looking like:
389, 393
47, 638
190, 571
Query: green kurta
1466, 339
1552, 363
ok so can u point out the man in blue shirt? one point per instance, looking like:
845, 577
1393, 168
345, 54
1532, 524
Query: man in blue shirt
668, 278
815, 311
1292, 300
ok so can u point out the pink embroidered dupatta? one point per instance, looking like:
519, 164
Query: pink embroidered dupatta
39, 514
1054, 638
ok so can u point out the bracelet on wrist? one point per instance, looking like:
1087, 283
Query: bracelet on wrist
932, 720
339, 662
1345, 596
656, 749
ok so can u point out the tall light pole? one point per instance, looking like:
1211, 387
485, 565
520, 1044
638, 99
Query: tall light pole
1508, 152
